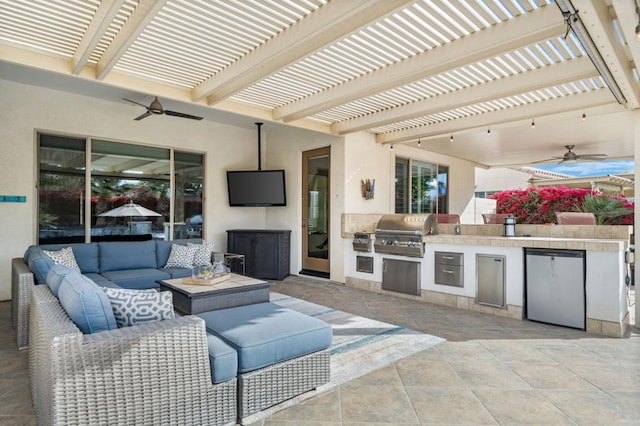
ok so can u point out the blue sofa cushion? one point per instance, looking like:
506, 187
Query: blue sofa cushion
133, 307
119, 256
101, 281
40, 264
265, 333
86, 255
55, 276
177, 272
223, 359
136, 278
86, 304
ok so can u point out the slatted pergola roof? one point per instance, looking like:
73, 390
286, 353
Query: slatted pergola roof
405, 70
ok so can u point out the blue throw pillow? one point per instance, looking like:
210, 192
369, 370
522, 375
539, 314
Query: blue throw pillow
55, 276
86, 304
39, 263
132, 307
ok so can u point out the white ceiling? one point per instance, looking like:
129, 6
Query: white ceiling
406, 70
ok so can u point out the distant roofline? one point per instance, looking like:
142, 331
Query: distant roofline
542, 173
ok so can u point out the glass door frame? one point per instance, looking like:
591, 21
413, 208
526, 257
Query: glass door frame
310, 263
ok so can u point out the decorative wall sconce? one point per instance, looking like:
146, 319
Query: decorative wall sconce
368, 188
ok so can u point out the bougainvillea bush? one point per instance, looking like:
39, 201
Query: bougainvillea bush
538, 205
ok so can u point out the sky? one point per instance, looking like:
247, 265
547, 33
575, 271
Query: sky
591, 168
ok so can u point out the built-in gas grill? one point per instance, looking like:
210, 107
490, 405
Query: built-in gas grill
401, 234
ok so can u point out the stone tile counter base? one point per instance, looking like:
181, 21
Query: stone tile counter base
594, 326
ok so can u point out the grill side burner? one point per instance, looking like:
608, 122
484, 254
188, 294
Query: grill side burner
362, 242
402, 234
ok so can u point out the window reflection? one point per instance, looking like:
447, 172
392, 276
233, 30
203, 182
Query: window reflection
421, 187
61, 189
188, 218
130, 191
133, 176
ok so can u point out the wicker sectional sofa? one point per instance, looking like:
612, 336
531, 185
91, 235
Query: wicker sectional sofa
217, 368
133, 264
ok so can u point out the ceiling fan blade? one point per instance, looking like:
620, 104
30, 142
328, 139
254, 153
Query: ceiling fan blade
182, 115
134, 102
592, 157
140, 117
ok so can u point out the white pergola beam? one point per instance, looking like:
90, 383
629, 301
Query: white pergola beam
524, 112
540, 78
139, 19
540, 24
333, 20
106, 12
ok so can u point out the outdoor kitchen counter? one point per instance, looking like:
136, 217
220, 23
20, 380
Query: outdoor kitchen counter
606, 291
607, 245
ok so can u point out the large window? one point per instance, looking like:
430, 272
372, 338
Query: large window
131, 191
421, 187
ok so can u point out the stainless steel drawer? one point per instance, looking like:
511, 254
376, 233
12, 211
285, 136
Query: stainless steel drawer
451, 275
448, 258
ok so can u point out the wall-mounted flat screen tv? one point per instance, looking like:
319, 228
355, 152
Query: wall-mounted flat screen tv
256, 188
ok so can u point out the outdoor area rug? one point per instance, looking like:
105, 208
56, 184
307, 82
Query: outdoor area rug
360, 345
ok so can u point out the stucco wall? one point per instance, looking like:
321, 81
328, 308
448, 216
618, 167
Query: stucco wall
28, 109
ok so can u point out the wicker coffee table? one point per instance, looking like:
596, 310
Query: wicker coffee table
238, 290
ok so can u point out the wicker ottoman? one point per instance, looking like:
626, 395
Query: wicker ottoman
281, 353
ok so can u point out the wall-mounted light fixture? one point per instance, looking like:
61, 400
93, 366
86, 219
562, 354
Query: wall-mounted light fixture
533, 123
584, 117
451, 138
488, 130
638, 15
574, 23
419, 143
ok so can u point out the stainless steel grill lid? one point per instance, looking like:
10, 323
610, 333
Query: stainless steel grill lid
408, 224
401, 234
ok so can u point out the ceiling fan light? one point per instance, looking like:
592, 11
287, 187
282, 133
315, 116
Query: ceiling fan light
156, 107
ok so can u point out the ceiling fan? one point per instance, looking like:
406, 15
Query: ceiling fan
572, 157
156, 108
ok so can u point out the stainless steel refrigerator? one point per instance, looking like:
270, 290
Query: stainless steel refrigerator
555, 286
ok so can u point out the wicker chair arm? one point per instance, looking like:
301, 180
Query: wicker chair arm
21, 282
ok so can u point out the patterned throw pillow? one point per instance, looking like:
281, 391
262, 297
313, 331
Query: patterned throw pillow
203, 253
63, 257
181, 256
132, 307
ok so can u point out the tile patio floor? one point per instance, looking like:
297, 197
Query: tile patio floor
490, 371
